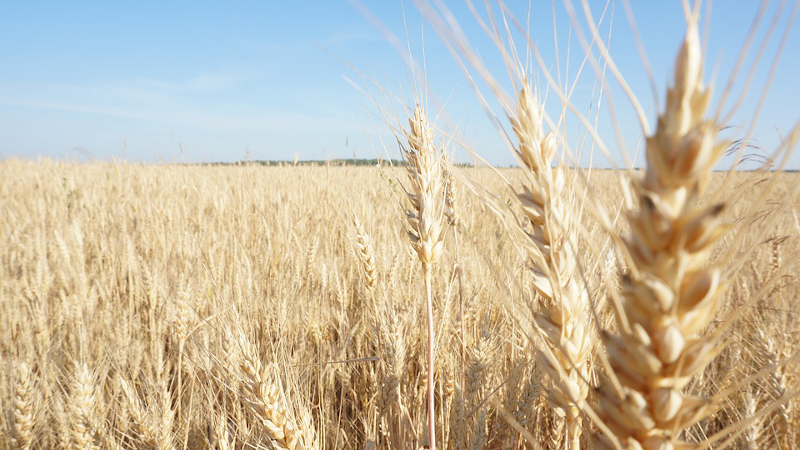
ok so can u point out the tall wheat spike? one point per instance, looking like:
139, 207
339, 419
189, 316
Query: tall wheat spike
426, 176
425, 223
669, 296
564, 311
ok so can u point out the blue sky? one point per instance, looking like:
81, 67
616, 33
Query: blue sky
216, 81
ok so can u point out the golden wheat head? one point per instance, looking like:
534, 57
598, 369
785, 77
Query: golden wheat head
669, 296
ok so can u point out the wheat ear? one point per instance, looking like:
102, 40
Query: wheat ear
669, 296
266, 401
83, 398
144, 427
393, 357
425, 223
219, 435
754, 432
563, 314
22, 413
367, 256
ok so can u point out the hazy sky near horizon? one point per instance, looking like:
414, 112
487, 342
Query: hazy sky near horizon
207, 81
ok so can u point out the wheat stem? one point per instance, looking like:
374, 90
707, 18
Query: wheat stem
431, 409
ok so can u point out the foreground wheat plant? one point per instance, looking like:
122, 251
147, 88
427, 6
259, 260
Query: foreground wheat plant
425, 223
563, 313
669, 296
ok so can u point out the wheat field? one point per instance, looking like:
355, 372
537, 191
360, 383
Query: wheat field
232, 307
405, 306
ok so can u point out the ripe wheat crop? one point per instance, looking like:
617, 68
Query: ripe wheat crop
328, 306
100, 261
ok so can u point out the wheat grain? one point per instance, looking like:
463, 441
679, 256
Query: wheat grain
768, 354
754, 431
425, 174
480, 436
393, 364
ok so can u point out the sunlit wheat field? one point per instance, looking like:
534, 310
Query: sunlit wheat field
209, 306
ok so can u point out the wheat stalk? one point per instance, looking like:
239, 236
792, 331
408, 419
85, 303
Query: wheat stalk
668, 294
563, 316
